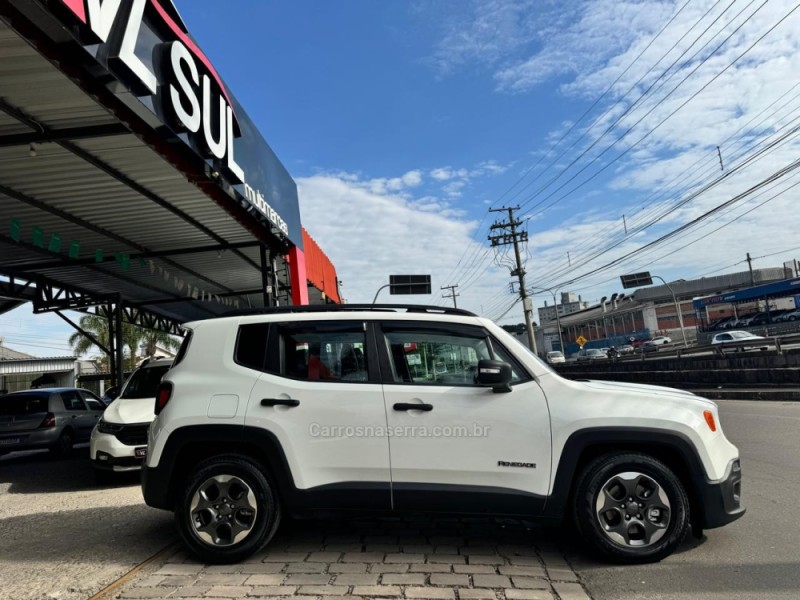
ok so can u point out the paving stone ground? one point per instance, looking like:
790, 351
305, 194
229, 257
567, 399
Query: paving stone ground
408, 558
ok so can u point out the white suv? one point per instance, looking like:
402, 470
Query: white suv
119, 440
303, 410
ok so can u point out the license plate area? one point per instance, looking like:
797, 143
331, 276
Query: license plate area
10, 441
140, 452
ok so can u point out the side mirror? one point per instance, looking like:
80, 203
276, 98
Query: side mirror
112, 392
495, 374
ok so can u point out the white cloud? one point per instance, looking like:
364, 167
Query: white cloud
485, 33
370, 235
442, 174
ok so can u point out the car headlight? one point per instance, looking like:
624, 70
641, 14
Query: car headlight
110, 428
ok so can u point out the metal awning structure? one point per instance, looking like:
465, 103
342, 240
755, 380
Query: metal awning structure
779, 289
103, 203
72, 177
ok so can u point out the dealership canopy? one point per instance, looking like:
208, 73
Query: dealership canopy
130, 176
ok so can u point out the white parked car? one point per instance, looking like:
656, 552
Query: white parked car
792, 315
119, 440
556, 356
731, 337
660, 340
395, 409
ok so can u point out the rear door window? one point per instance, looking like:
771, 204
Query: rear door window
92, 401
322, 351
72, 400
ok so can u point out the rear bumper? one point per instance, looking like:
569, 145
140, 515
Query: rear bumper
156, 487
29, 440
722, 500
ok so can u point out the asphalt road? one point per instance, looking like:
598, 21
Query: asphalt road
755, 558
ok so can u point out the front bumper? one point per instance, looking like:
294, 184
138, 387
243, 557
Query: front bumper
109, 453
721, 501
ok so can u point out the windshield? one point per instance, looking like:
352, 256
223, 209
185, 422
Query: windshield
144, 383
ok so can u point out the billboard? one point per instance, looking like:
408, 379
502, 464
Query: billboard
636, 280
409, 284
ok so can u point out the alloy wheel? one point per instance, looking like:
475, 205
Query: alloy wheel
223, 510
633, 510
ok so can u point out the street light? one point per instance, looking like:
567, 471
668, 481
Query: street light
677, 308
645, 278
558, 319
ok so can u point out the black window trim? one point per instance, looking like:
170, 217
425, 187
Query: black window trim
184, 347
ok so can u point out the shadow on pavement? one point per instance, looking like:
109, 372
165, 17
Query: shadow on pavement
87, 535
39, 472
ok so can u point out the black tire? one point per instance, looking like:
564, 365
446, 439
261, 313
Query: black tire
645, 529
248, 509
63, 447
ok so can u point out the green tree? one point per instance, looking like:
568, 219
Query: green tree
132, 337
151, 339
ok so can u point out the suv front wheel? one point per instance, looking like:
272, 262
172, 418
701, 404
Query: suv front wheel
631, 507
227, 510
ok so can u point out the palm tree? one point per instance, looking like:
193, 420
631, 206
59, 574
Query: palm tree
98, 327
151, 339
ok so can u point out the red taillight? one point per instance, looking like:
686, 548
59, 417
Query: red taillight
163, 395
49, 421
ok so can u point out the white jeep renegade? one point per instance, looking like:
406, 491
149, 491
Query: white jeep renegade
307, 410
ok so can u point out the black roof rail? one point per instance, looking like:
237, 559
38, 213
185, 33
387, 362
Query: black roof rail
306, 308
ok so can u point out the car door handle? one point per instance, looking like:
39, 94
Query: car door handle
280, 402
413, 406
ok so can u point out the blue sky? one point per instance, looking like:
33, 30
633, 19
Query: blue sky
404, 122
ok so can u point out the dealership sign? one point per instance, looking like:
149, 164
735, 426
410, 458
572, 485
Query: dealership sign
143, 43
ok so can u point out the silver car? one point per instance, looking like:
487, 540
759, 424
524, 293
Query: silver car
52, 418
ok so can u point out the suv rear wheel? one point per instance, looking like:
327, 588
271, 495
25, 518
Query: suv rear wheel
631, 507
227, 510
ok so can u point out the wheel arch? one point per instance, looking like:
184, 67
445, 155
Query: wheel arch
672, 448
189, 446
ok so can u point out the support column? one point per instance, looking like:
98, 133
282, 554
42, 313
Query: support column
120, 372
298, 276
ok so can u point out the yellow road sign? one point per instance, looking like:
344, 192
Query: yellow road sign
581, 341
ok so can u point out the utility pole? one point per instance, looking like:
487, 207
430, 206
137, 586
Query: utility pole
452, 293
515, 237
750, 266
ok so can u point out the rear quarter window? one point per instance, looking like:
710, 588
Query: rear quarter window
184, 347
251, 345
